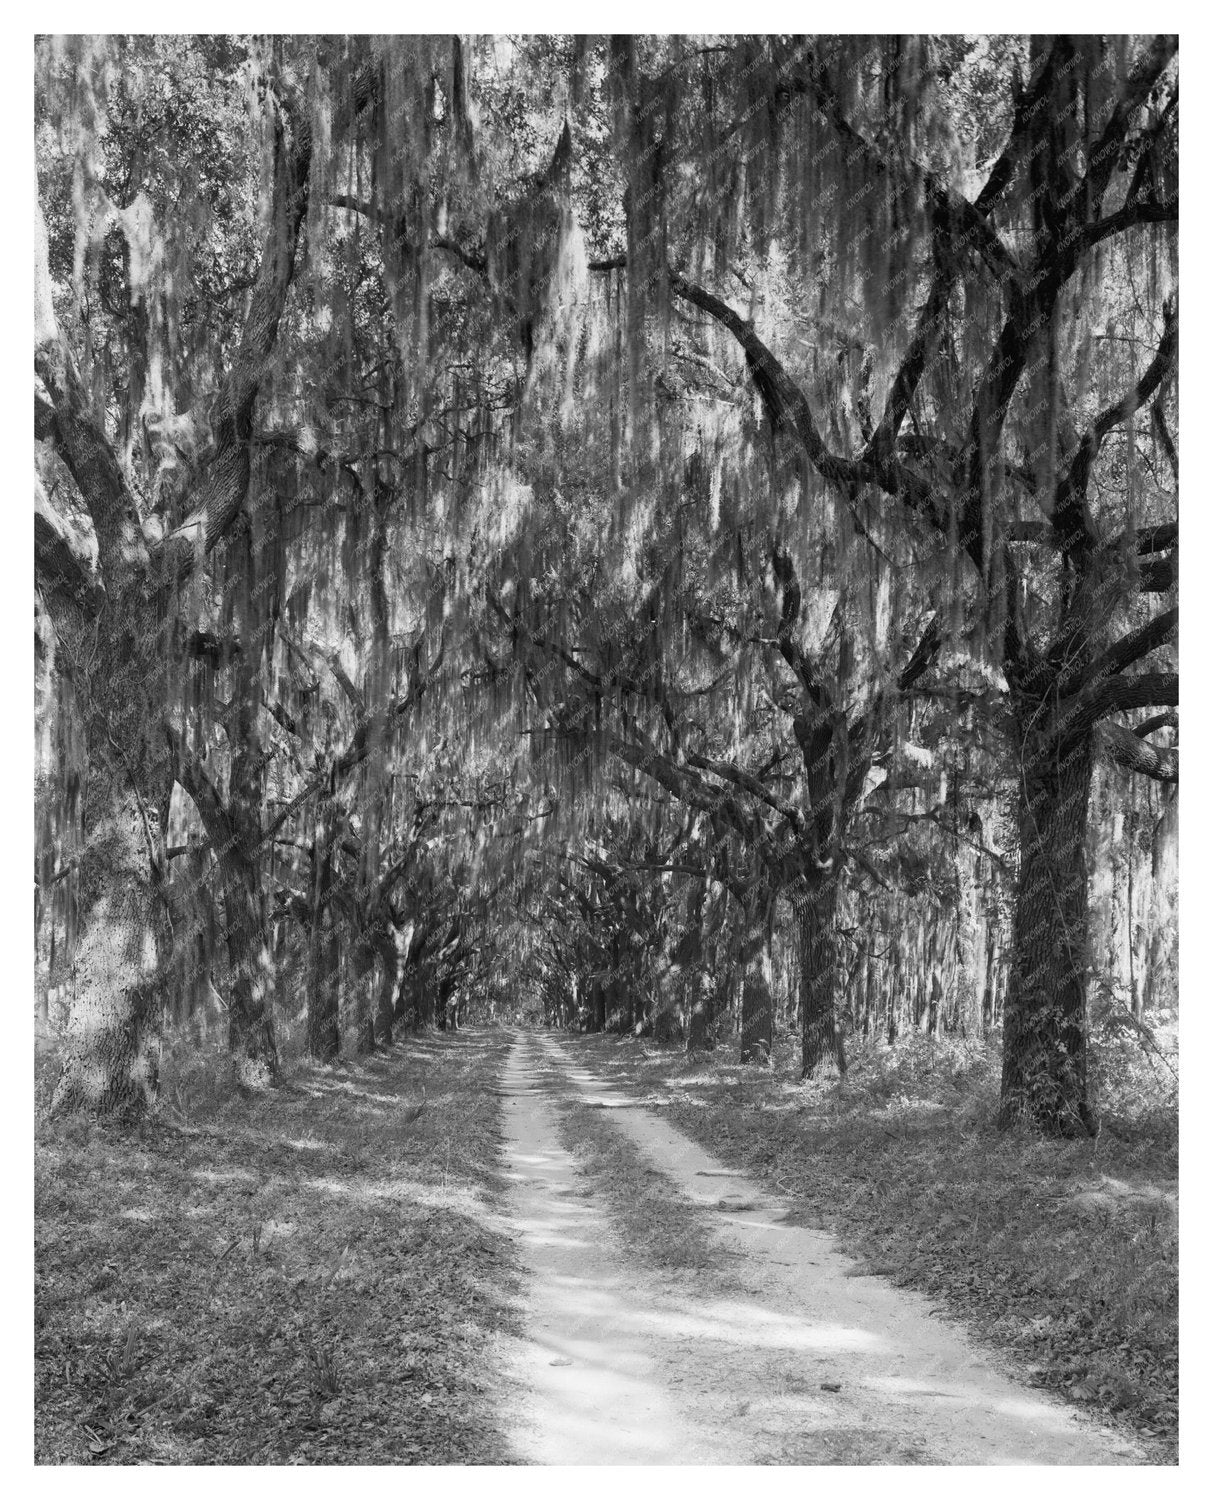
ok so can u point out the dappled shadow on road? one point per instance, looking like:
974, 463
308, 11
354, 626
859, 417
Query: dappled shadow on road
1063, 1254
803, 1362
624, 1371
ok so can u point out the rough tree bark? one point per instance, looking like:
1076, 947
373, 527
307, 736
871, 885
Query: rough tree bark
757, 1016
757, 1004
125, 937
389, 973
323, 990
362, 964
112, 1046
250, 1031
1044, 1075
819, 973
324, 959
700, 1021
692, 956
233, 828
595, 1015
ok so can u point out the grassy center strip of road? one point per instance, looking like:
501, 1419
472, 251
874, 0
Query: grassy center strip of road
315, 1275
661, 1228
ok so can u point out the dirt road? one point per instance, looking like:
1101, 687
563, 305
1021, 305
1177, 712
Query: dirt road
809, 1363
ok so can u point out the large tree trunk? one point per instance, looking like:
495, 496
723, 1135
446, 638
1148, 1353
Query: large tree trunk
365, 994
700, 1021
389, 969
691, 955
324, 959
1044, 1071
121, 968
233, 828
757, 1015
596, 1013
447, 1004
614, 995
112, 1045
324, 990
757, 1006
427, 987
407, 1010
870, 988
415, 1006
250, 1028
819, 1034
935, 996
989, 993
193, 904
364, 1013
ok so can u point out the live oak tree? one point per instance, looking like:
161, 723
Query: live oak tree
184, 315
123, 864
697, 679
670, 427
988, 408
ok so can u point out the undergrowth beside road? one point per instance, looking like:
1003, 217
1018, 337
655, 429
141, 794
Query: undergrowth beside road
1065, 1253
306, 1276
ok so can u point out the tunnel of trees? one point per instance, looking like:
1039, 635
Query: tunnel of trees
675, 534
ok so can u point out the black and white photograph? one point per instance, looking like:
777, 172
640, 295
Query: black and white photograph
606, 749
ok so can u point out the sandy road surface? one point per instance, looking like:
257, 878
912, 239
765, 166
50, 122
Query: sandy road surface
809, 1363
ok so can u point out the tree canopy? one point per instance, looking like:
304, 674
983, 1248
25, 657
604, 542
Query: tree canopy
664, 532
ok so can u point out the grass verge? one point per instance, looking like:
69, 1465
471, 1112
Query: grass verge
1063, 1253
308, 1276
